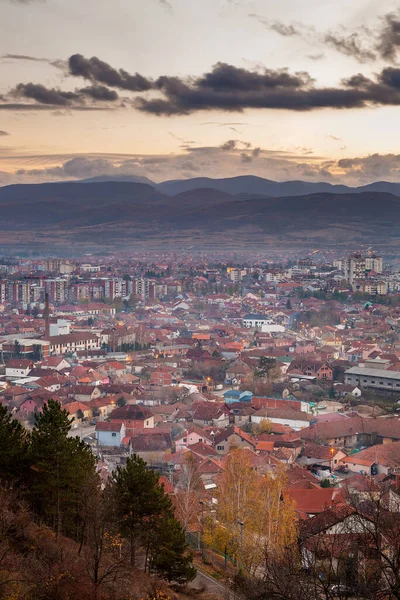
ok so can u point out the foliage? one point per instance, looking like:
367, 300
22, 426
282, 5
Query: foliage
253, 516
13, 448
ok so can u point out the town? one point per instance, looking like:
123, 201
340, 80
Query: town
219, 370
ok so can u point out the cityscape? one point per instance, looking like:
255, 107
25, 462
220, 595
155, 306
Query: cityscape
199, 300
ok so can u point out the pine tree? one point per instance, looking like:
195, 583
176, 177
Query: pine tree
60, 467
13, 448
138, 498
169, 558
145, 517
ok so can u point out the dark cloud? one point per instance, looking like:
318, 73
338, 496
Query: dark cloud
229, 88
100, 93
389, 38
43, 95
99, 71
3, 133
224, 77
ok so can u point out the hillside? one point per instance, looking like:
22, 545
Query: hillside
122, 213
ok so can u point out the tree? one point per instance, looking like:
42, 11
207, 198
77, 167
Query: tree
121, 401
79, 414
60, 466
17, 348
188, 491
288, 304
268, 368
253, 517
145, 517
13, 448
265, 426
138, 498
168, 552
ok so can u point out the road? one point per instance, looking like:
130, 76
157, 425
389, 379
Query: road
82, 431
211, 585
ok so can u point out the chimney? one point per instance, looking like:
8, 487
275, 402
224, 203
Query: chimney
46, 315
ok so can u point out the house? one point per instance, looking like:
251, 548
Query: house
161, 377
315, 454
295, 419
311, 368
233, 437
314, 501
211, 413
348, 432
237, 372
18, 367
110, 434
382, 458
84, 393
134, 417
151, 448
76, 408
192, 436
58, 363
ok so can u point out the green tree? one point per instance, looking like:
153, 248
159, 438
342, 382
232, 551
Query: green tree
145, 517
121, 401
138, 498
288, 304
13, 447
60, 468
169, 557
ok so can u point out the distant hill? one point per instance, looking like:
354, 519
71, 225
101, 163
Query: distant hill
121, 214
249, 184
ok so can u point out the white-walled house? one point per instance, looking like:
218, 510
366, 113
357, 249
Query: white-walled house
295, 419
18, 367
110, 434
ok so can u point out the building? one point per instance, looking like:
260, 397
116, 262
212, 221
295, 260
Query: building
354, 268
255, 321
110, 434
18, 367
374, 374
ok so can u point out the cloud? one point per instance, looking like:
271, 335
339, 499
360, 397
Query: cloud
24, 57
372, 167
167, 5
230, 88
99, 71
43, 95
350, 45
365, 44
389, 38
54, 97
3, 133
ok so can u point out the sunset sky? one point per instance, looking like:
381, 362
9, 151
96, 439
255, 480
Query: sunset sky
167, 89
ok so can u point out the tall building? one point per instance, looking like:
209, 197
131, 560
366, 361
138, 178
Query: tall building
354, 268
374, 263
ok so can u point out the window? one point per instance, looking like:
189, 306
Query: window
114, 435
184, 440
200, 439
220, 447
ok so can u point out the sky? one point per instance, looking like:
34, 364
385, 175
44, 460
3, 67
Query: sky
174, 89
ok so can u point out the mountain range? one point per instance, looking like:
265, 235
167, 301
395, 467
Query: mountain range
129, 214
250, 184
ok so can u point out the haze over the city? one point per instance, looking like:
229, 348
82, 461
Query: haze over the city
297, 89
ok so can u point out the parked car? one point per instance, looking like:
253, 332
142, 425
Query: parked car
343, 469
340, 590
